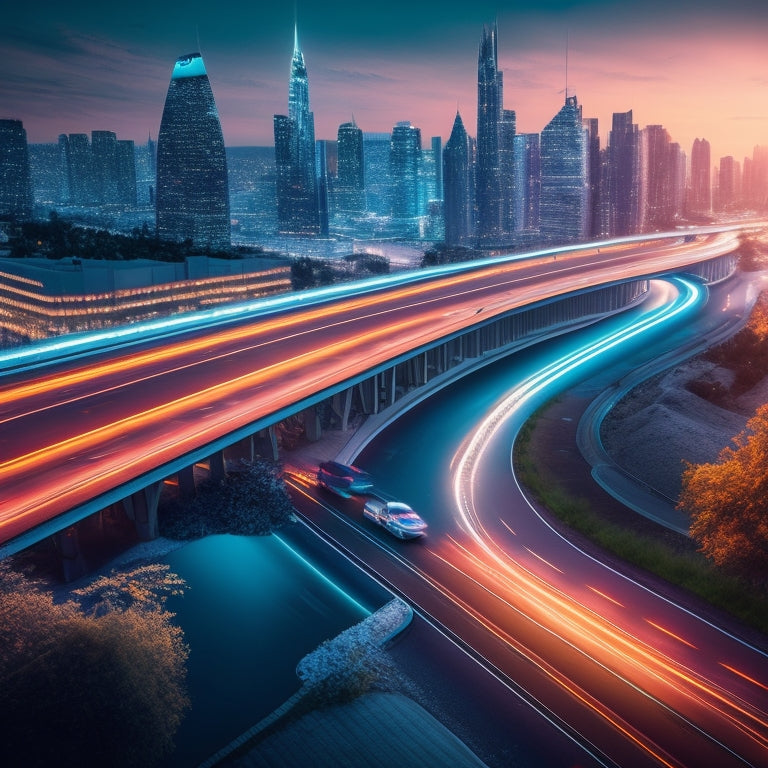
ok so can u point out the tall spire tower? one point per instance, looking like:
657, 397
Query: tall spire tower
490, 117
297, 191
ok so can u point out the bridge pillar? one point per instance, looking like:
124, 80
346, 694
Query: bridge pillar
141, 507
67, 544
347, 409
216, 466
272, 434
186, 478
312, 427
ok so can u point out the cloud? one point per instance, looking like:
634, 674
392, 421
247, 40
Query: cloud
357, 77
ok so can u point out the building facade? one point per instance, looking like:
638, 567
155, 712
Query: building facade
564, 210
15, 179
192, 195
350, 184
622, 177
459, 187
405, 173
700, 199
527, 183
298, 204
490, 98
663, 179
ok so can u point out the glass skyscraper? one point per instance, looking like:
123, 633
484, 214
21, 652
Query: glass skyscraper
298, 209
663, 169
15, 180
527, 182
404, 169
459, 186
192, 199
622, 176
701, 169
350, 188
564, 210
490, 207
378, 184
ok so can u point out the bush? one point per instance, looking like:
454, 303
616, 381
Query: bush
249, 503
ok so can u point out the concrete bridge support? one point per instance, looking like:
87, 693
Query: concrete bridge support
216, 466
67, 544
312, 426
141, 507
186, 479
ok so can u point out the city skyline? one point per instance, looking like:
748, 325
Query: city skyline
698, 69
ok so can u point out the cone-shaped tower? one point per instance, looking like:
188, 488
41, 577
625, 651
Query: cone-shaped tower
458, 186
192, 191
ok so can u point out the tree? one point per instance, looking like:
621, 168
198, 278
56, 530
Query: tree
302, 273
728, 502
98, 679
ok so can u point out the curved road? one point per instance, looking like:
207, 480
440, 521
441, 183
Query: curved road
74, 433
636, 679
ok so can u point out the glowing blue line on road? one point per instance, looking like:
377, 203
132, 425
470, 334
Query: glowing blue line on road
690, 296
92, 341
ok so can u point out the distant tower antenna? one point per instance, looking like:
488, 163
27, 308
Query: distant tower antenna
566, 65
197, 33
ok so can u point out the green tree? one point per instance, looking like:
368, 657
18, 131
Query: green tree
98, 679
728, 502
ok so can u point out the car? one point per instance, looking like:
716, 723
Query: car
398, 518
343, 479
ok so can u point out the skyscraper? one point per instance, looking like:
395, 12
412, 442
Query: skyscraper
727, 183
104, 151
350, 188
663, 171
192, 192
622, 182
593, 176
459, 186
404, 170
378, 184
701, 167
15, 180
126, 172
298, 210
527, 182
564, 211
490, 93
76, 169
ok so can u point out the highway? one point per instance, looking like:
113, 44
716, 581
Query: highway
75, 431
635, 677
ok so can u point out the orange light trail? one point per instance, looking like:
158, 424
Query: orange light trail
607, 597
744, 676
582, 629
671, 634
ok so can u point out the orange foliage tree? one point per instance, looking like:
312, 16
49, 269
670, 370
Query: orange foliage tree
728, 502
96, 679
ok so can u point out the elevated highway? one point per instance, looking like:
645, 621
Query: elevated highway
82, 429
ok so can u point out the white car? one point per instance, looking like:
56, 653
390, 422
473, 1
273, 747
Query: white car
398, 518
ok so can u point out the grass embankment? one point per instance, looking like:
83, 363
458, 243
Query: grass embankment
678, 563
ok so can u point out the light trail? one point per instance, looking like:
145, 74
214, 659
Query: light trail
635, 662
87, 342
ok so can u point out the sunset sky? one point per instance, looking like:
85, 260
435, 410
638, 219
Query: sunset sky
700, 68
